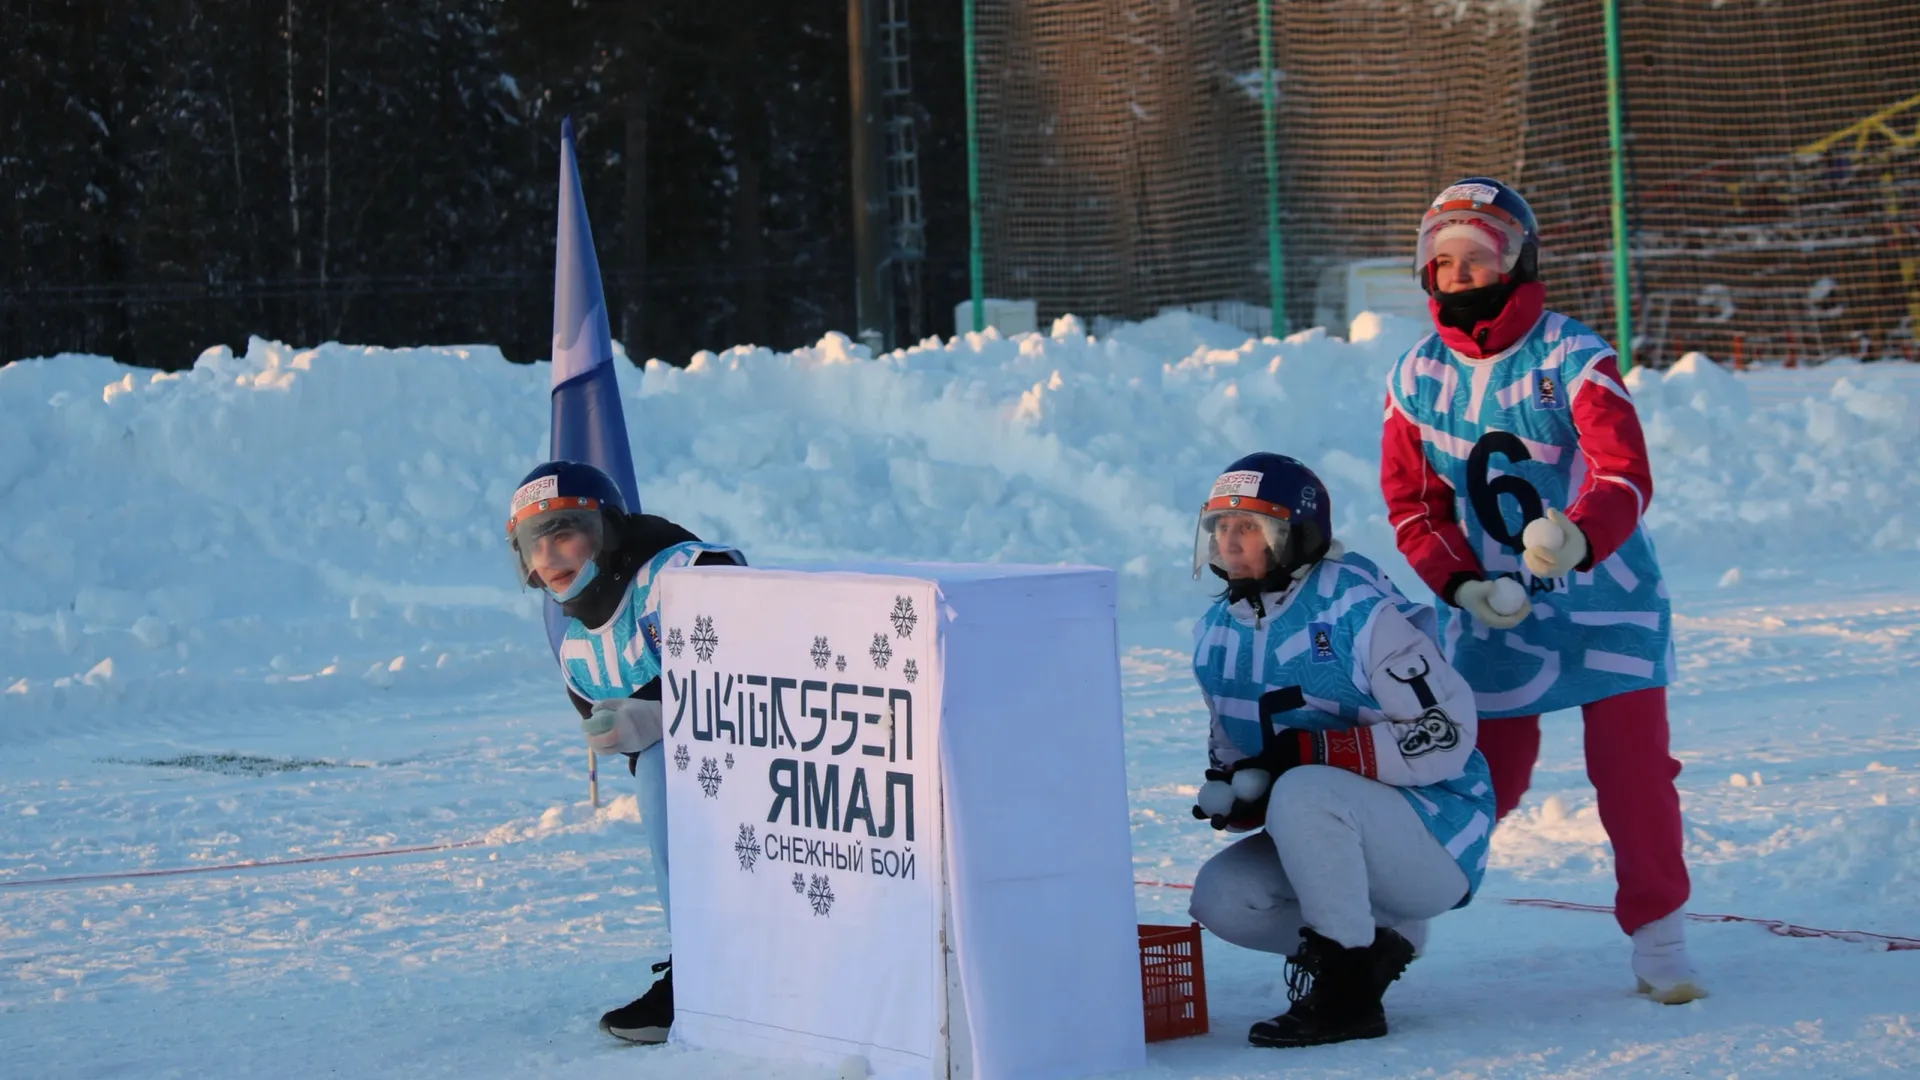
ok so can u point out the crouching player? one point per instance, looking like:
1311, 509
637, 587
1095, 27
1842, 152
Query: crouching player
1342, 740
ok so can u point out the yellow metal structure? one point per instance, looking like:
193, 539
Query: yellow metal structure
1880, 123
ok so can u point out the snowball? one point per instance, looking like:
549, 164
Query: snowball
1250, 784
1215, 797
1507, 597
1543, 533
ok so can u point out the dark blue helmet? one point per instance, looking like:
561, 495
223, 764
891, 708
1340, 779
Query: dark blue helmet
1280, 497
560, 497
580, 485
1491, 215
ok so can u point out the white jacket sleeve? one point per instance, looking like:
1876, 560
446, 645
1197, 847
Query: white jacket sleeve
1221, 751
1430, 723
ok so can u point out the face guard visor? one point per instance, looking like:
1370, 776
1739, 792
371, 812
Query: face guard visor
551, 548
1238, 533
1238, 543
1469, 228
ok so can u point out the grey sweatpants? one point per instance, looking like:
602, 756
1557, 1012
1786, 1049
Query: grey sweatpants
1341, 854
650, 787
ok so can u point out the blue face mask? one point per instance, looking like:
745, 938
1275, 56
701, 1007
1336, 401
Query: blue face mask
580, 582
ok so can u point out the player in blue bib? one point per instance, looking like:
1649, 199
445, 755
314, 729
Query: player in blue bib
572, 536
1340, 733
1516, 478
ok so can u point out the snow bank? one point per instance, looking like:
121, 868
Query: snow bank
1820, 474
293, 516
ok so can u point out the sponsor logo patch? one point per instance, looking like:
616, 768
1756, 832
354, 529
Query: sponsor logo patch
545, 487
1548, 393
1320, 637
1246, 484
1479, 193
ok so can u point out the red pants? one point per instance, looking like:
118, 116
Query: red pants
1632, 774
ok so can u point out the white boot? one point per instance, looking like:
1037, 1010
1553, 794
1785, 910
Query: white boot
1416, 934
1660, 961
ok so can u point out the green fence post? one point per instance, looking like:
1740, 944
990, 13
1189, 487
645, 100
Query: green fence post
1276, 269
1622, 264
976, 266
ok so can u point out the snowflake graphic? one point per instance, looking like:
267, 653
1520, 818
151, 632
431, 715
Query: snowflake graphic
903, 616
840, 662
881, 651
729, 761
709, 777
820, 894
704, 639
675, 642
911, 671
746, 848
681, 757
821, 653
799, 882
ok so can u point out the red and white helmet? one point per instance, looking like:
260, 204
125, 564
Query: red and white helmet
1490, 215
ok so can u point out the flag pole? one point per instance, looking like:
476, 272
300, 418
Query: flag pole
588, 423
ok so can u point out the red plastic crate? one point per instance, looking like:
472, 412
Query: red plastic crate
1173, 981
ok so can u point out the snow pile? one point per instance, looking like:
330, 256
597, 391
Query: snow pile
1823, 473
233, 520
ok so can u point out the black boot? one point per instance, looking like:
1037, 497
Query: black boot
1335, 991
648, 1018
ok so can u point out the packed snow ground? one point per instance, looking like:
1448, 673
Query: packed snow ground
260, 610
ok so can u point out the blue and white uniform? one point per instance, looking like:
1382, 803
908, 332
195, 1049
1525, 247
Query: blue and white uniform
620, 657
1380, 699
1501, 433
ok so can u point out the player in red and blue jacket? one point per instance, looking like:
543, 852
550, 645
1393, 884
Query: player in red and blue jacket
1516, 479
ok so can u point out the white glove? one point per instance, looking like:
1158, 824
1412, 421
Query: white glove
622, 725
1554, 545
1476, 598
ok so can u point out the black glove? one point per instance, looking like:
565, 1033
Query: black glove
1240, 800
1221, 807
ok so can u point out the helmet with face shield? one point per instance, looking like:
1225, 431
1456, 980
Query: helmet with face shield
1484, 220
558, 526
1266, 516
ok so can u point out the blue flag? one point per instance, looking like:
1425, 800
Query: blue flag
588, 424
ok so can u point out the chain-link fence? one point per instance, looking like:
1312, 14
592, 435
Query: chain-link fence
1773, 158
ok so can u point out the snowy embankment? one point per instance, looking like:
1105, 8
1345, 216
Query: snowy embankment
261, 611
287, 520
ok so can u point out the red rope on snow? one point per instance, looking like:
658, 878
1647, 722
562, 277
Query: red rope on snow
250, 865
1889, 942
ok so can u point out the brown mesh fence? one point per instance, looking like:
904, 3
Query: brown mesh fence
1773, 168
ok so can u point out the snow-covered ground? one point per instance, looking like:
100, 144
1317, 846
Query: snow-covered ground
261, 611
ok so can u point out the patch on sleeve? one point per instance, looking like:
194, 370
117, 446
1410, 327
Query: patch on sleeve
1434, 732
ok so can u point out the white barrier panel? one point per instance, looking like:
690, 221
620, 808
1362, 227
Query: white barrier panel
888, 781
